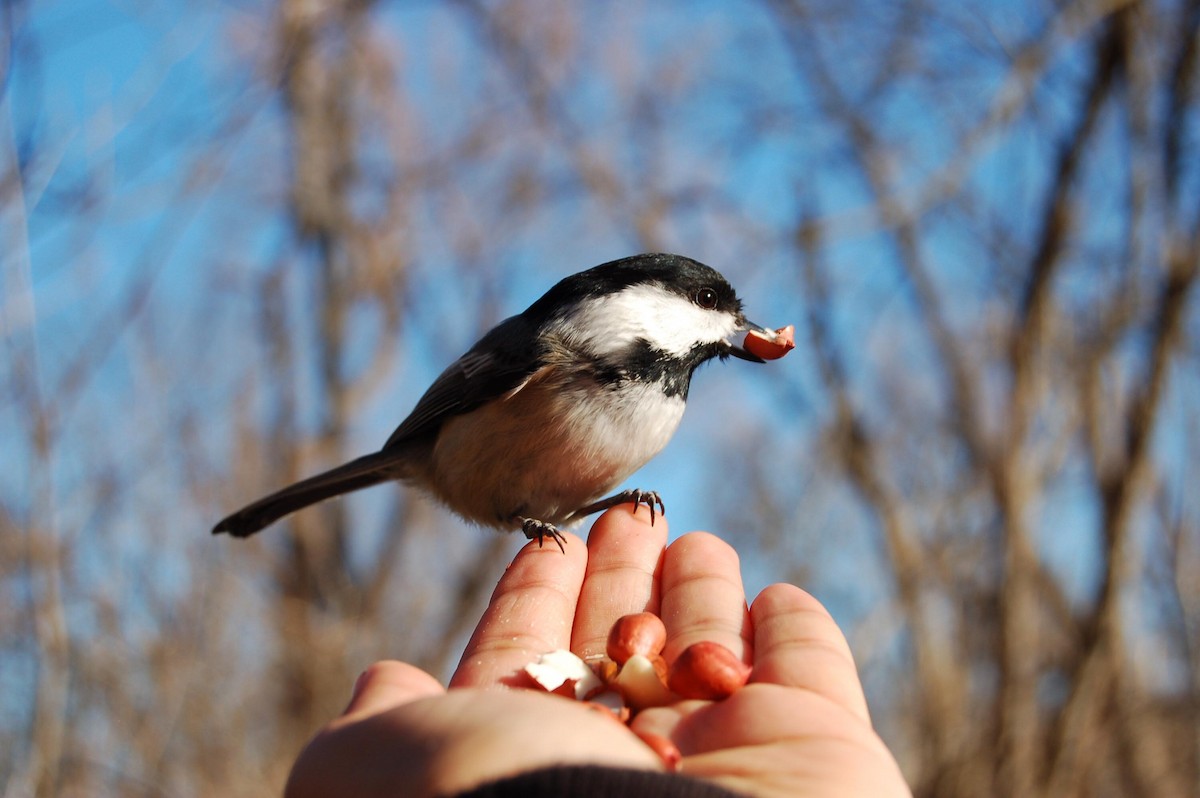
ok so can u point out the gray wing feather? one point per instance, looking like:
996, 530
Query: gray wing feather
501, 361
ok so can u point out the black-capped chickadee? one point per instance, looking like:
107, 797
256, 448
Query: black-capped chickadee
554, 407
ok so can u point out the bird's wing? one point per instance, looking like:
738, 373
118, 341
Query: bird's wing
499, 363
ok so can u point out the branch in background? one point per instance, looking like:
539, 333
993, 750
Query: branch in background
855, 448
1021, 660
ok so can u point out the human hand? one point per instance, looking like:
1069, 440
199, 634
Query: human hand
799, 728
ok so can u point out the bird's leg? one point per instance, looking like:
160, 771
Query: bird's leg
540, 530
650, 498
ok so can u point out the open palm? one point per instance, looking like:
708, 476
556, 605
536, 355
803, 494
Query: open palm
799, 728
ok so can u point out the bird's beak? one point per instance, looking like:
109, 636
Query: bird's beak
737, 344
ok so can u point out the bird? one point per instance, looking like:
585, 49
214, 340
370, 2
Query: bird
554, 407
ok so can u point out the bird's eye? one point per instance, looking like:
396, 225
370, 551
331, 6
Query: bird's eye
706, 298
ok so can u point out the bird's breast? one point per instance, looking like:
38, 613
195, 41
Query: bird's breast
550, 447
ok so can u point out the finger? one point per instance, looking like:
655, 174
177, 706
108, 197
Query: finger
346, 757
624, 554
531, 612
797, 737
388, 684
797, 644
703, 597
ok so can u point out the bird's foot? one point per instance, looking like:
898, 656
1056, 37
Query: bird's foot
637, 496
540, 530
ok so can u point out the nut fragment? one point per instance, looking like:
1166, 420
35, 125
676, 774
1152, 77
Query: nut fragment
667, 751
606, 669
555, 669
642, 682
770, 346
708, 671
642, 633
611, 703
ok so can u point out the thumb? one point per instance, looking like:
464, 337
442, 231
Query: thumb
388, 684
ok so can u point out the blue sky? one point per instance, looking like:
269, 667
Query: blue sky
118, 105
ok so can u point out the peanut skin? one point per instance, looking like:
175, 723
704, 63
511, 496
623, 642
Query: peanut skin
667, 751
642, 633
771, 348
708, 671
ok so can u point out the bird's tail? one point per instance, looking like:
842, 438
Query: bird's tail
368, 470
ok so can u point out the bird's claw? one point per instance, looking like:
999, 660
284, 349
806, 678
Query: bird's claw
637, 496
540, 530
650, 498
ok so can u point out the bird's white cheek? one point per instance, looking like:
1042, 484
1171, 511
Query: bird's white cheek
670, 323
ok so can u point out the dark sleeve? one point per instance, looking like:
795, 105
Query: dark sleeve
593, 781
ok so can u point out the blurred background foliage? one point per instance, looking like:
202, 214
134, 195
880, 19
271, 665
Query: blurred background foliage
238, 239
